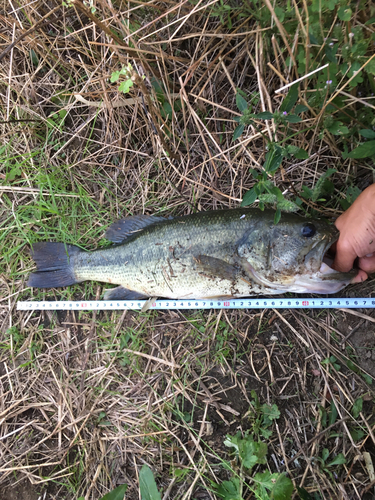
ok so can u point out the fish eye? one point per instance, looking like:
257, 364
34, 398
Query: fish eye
308, 230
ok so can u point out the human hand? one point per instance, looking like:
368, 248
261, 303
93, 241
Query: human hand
357, 236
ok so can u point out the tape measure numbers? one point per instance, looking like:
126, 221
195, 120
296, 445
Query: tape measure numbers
257, 303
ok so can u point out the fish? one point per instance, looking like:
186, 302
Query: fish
215, 254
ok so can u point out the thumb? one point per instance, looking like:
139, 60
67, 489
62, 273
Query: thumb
367, 263
344, 259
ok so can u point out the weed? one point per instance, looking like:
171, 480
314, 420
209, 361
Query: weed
262, 417
248, 453
330, 466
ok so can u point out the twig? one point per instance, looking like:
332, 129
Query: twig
300, 79
33, 28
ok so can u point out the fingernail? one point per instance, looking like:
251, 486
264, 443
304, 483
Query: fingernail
370, 255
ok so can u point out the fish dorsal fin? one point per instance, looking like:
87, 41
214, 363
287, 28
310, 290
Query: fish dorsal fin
123, 228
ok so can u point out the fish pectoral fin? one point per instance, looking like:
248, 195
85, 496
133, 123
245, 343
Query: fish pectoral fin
215, 267
120, 230
121, 293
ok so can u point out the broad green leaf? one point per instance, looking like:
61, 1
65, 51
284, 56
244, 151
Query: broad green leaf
293, 118
300, 108
367, 133
280, 13
330, 54
116, 494
357, 407
266, 433
339, 460
333, 414
306, 192
264, 115
115, 76
337, 128
147, 485
157, 86
292, 149
277, 192
313, 40
270, 413
125, 86
365, 150
370, 67
344, 13
34, 57
265, 479
301, 154
303, 494
355, 68
290, 99
274, 158
241, 103
367, 378
357, 434
331, 4
252, 453
229, 490
249, 198
233, 441
238, 131
277, 217
15, 172
325, 454
352, 366
283, 488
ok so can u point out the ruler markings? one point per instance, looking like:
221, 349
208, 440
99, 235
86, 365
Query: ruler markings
281, 303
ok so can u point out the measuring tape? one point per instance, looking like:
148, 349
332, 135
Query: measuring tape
280, 303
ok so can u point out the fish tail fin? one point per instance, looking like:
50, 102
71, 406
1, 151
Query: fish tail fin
55, 265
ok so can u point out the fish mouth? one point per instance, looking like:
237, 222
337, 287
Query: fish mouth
318, 275
325, 279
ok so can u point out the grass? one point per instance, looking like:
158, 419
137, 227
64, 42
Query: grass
89, 399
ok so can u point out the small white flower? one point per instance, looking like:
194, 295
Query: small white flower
243, 216
351, 35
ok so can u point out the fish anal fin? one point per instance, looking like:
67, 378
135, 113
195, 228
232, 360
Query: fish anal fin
122, 293
120, 230
217, 268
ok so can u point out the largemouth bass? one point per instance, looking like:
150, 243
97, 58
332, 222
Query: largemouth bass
227, 253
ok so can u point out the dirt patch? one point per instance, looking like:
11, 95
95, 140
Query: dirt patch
364, 343
360, 334
21, 491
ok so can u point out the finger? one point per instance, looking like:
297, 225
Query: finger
343, 260
367, 263
361, 276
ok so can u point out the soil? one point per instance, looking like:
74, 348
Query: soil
363, 340
22, 491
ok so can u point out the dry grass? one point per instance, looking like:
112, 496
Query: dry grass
86, 398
